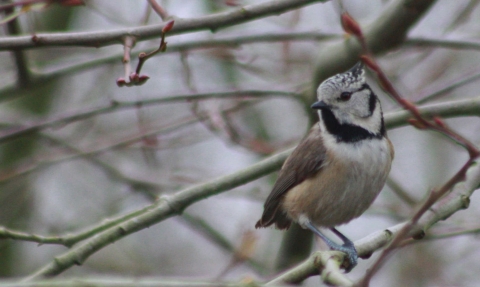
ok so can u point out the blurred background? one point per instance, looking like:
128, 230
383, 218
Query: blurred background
68, 176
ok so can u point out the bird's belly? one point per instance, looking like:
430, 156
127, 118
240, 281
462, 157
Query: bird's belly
344, 188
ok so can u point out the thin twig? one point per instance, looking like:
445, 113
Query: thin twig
73, 238
117, 106
24, 169
137, 79
438, 236
158, 9
23, 73
400, 192
128, 45
461, 81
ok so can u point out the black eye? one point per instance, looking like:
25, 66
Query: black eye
345, 96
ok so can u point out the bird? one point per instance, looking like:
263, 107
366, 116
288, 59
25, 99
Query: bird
338, 169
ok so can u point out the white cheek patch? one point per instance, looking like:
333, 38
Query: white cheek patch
360, 104
371, 123
342, 116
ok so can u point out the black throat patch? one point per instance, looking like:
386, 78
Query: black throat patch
347, 132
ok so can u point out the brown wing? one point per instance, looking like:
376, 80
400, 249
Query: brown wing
305, 161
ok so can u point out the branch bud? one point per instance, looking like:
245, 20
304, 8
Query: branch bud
121, 82
168, 26
142, 79
134, 77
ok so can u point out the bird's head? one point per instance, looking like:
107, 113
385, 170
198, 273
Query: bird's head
351, 100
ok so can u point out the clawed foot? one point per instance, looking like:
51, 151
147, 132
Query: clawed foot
351, 256
348, 247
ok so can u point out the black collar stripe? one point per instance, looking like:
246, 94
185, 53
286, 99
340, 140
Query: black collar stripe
372, 103
347, 132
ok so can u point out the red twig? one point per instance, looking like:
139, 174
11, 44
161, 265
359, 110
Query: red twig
137, 79
158, 9
142, 57
418, 121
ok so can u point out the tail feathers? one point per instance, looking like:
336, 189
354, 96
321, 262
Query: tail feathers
260, 224
283, 222
274, 216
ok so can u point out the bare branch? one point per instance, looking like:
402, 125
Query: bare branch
128, 282
165, 207
461, 44
23, 73
93, 154
325, 262
104, 38
438, 236
400, 192
117, 106
446, 88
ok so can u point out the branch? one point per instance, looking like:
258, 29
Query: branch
70, 239
103, 38
468, 107
135, 78
92, 155
325, 262
460, 44
216, 237
438, 236
164, 208
124, 281
425, 97
400, 192
23, 73
16, 132
9, 91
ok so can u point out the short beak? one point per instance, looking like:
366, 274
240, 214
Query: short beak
320, 105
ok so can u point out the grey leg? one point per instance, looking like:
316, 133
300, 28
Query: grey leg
348, 247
